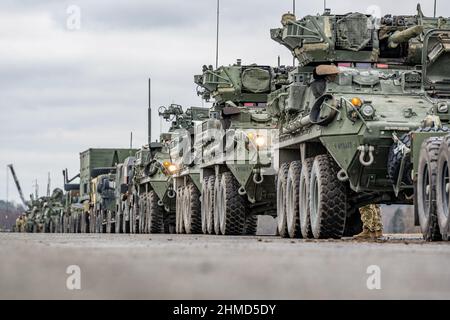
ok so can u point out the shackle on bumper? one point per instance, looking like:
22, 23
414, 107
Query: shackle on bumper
362, 157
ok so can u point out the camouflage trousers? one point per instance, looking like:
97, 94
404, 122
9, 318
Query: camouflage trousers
371, 217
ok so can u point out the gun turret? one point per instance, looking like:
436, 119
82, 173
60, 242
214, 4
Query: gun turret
236, 83
180, 119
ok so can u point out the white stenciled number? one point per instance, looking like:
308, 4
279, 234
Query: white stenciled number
74, 279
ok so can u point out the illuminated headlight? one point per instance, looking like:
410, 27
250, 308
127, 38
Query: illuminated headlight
368, 111
443, 107
172, 168
260, 141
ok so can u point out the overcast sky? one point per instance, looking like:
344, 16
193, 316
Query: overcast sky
63, 91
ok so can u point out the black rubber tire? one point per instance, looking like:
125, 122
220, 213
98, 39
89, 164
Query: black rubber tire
126, 223
205, 204
442, 191
119, 222
143, 213
395, 158
281, 200
251, 225
169, 223
232, 211
217, 208
104, 221
426, 189
292, 200
179, 211
155, 214
108, 222
327, 199
192, 214
304, 200
211, 204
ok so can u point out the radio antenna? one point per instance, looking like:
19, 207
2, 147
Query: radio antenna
217, 34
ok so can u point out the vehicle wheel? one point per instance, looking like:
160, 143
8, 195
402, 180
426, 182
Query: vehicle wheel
211, 205
192, 214
442, 188
232, 211
92, 222
327, 199
205, 204
281, 200
155, 214
395, 156
304, 200
142, 214
251, 225
426, 189
179, 211
169, 221
83, 222
217, 207
292, 200
104, 221
119, 222
126, 219
132, 220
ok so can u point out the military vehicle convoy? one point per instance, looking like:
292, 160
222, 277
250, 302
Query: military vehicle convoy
354, 137
363, 119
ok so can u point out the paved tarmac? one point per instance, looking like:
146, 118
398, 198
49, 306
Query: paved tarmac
34, 266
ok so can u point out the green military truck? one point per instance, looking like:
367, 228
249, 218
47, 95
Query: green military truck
88, 215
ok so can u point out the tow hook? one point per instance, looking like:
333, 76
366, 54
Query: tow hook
366, 150
257, 180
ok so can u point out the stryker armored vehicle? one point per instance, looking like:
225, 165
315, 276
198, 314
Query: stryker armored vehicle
53, 210
234, 149
126, 197
154, 170
352, 137
183, 164
103, 201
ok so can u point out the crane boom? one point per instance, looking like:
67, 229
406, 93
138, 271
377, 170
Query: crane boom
19, 189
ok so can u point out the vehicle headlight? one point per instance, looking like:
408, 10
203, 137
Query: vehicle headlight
442, 107
172, 168
368, 111
260, 141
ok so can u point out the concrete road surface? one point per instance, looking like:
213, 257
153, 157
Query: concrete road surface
209, 267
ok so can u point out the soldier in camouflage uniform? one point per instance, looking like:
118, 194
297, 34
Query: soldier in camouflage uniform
372, 225
20, 223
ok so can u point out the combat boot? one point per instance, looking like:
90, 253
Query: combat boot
377, 235
364, 235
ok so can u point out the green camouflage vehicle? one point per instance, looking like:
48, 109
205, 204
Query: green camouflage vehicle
82, 208
154, 168
352, 137
126, 198
103, 202
53, 210
183, 165
233, 152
